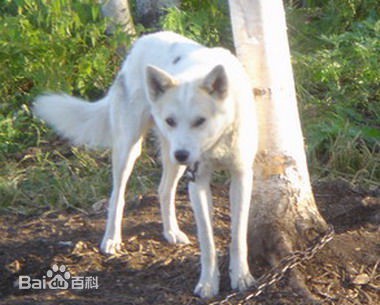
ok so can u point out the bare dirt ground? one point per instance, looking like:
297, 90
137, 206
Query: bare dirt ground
151, 271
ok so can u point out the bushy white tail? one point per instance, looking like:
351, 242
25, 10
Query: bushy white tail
82, 122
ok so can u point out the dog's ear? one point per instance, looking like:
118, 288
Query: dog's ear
215, 83
158, 82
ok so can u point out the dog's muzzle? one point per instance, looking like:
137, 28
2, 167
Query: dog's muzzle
191, 172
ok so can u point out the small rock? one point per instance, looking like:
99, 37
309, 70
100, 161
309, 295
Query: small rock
16, 284
100, 205
371, 202
79, 247
361, 279
65, 243
14, 266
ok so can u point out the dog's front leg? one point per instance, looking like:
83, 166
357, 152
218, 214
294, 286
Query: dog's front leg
167, 190
200, 196
240, 198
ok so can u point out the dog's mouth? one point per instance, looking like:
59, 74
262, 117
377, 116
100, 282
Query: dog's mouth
191, 171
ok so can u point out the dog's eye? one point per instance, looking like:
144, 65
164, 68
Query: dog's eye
171, 122
198, 122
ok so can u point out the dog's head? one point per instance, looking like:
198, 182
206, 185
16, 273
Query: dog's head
190, 115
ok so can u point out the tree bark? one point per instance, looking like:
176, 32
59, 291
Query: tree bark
120, 14
149, 11
284, 215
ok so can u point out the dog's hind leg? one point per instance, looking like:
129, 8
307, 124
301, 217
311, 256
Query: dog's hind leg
123, 159
130, 122
167, 190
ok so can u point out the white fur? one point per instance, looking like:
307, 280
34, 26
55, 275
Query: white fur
201, 103
80, 121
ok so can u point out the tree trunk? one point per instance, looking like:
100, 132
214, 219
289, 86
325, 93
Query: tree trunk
149, 11
284, 216
120, 14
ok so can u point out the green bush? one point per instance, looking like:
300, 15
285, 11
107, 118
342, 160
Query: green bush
49, 46
336, 54
207, 22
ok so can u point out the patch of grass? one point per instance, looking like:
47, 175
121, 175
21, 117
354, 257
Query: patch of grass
66, 178
349, 157
44, 180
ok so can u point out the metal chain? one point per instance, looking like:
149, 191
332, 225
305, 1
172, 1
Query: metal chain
278, 272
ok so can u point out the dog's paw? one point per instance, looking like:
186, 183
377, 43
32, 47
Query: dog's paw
110, 246
242, 281
208, 287
176, 237
206, 290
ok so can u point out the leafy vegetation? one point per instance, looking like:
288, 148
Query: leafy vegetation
207, 22
49, 45
336, 58
62, 46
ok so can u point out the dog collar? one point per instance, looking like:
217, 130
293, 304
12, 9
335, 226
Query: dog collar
191, 172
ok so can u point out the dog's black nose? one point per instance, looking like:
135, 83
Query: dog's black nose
181, 155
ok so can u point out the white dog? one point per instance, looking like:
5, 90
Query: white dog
200, 99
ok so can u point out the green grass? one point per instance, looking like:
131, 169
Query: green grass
44, 180
61, 46
64, 178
